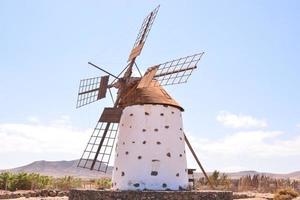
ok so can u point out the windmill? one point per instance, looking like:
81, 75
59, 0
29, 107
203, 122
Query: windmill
144, 120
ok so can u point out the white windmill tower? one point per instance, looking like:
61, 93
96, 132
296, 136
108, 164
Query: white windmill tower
150, 148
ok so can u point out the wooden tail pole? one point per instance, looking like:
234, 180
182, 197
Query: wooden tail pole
197, 160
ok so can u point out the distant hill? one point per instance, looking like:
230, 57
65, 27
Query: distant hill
237, 175
69, 168
59, 169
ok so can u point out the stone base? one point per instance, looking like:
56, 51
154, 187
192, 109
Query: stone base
155, 195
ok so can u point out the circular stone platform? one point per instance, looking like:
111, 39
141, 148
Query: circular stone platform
157, 195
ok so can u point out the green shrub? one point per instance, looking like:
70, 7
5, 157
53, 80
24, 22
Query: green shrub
39, 181
103, 183
220, 181
23, 181
66, 183
5, 178
285, 194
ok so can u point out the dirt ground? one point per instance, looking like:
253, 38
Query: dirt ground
252, 196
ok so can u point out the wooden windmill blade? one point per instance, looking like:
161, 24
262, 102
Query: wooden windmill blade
97, 153
143, 34
177, 71
91, 90
147, 78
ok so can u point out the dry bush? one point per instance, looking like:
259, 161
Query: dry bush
285, 194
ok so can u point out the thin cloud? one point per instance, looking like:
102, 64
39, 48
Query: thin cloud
58, 136
240, 121
33, 119
243, 150
254, 143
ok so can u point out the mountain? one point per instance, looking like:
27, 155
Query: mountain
59, 169
69, 168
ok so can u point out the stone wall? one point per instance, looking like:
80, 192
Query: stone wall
32, 193
145, 195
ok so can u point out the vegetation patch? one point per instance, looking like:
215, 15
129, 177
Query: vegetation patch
286, 194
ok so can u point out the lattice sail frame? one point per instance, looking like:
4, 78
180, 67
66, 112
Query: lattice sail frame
176, 71
152, 15
143, 34
105, 152
88, 91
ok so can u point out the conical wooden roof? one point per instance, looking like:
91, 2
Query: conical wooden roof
147, 95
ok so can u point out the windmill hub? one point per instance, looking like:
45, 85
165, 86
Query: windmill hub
145, 121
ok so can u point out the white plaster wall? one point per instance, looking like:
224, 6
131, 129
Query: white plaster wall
150, 151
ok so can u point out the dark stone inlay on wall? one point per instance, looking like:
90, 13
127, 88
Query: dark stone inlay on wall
116, 168
146, 113
177, 174
164, 185
180, 155
144, 142
180, 129
122, 173
154, 173
133, 142
131, 114
144, 130
136, 185
123, 142
180, 138
130, 126
169, 154
161, 114
167, 126
139, 157
156, 129
126, 152
158, 142
172, 112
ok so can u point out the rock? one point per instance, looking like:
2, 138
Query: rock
34, 194
62, 193
27, 195
44, 193
52, 193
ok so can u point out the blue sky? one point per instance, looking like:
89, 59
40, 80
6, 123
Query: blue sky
241, 105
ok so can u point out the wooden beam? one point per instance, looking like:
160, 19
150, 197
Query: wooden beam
197, 160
